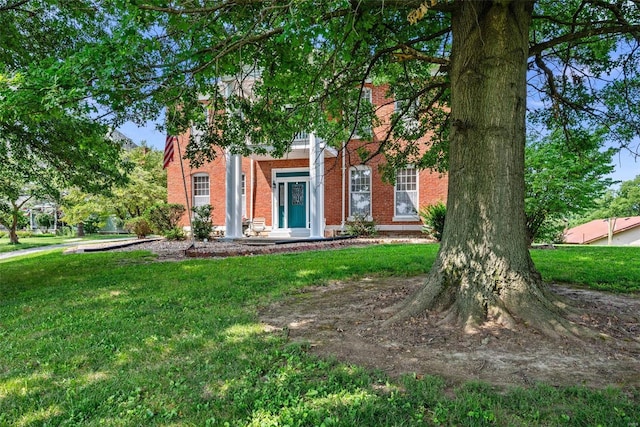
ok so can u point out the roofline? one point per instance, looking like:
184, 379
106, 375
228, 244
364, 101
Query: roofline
604, 236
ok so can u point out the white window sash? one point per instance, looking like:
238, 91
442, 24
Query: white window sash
360, 191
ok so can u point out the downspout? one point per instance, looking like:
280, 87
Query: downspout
344, 188
252, 178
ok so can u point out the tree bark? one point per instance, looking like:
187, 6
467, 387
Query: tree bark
13, 230
483, 271
13, 235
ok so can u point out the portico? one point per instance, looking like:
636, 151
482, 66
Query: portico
297, 193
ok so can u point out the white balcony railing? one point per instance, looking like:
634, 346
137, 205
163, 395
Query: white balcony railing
301, 137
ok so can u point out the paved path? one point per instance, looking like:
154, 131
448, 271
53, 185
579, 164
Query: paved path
69, 244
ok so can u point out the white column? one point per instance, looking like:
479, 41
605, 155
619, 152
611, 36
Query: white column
229, 198
233, 193
316, 183
237, 195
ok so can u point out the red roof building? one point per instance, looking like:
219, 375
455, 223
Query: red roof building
613, 231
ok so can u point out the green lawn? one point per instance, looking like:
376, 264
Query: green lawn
118, 340
36, 241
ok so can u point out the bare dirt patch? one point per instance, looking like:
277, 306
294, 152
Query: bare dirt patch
344, 320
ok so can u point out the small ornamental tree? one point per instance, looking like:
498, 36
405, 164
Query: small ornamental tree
201, 225
21, 183
44, 220
165, 217
433, 217
138, 226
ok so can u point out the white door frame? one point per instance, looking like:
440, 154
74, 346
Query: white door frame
275, 185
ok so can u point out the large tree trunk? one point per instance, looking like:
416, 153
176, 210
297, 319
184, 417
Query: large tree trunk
483, 271
13, 235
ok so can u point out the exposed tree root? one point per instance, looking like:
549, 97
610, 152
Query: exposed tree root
473, 301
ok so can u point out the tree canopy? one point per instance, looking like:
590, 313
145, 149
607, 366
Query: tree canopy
563, 180
462, 72
627, 199
621, 202
47, 117
146, 185
51, 135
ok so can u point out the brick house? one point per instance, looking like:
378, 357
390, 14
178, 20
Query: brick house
310, 192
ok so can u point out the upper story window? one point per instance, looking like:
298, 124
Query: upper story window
406, 192
363, 129
197, 131
406, 106
244, 195
229, 88
409, 111
201, 190
360, 191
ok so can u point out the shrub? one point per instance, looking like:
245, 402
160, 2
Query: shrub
44, 220
361, 226
3, 234
25, 233
139, 226
201, 225
164, 217
551, 231
65, 230
433, 217
175, 234
92, 224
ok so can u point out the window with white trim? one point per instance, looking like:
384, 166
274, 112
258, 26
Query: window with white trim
229, 88
406, 192
360, 191
406, 106
366, 99
201, 190
409, 111
244, 195
199, 129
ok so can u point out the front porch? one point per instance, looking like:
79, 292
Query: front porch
295, 193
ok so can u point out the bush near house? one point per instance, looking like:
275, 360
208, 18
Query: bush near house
201, 225
433, 217
139, 226
361, 226
164, 219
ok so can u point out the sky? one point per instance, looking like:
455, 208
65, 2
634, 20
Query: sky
626, 166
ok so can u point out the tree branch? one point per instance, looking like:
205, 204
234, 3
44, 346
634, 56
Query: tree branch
579, 35
13, 5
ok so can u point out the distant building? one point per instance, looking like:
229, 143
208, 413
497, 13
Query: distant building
624, 232
125, 141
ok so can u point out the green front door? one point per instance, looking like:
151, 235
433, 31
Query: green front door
297, 204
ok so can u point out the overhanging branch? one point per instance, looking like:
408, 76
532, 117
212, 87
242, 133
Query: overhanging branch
537, 49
